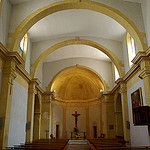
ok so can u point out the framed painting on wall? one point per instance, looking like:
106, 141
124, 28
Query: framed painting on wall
136, 98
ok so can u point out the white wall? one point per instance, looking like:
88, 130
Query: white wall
58, 120
40, 74
4, 21
125, 55
17, 128
94, 116
139, 134
104, 68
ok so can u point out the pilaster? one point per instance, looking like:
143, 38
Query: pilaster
87, 123
45, 119
145, 75
30, 109
64, 122
8, 76
109, 115
143, 60
125, 112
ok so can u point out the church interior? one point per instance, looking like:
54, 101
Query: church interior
74, 65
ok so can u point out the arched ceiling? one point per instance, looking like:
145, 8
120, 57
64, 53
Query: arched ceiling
77, 83
77, 51
76, 22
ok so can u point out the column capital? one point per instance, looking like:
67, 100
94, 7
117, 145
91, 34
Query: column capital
35, 81
145, 72
141, 55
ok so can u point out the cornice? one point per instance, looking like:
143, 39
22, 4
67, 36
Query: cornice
148, 51
140, 55
19, 60
40, 89
115, 89
3, 51
20, 70
135, 68
36, 81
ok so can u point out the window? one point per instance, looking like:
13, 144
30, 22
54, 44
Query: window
23, 46
131, 49
116, 73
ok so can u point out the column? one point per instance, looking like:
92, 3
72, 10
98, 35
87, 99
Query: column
145, 75
87, 123
45, 110
36, 129
8, 76
30, 109
101, 121
125, 113
64, 122
109, 115
51, 115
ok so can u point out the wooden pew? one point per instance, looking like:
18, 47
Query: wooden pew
50, 144
113, 144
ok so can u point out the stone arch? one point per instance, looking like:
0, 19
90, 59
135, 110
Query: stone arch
109, 53
33, 18
106, 87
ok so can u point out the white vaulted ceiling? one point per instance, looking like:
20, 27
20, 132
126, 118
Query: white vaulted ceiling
76, 23
73, 51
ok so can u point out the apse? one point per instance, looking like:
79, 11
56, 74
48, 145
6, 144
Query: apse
77, 83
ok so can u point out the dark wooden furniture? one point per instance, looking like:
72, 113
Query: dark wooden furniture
141, 115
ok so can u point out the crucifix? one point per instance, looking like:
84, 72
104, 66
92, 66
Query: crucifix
76, 116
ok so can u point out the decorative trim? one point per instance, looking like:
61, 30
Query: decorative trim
20, 70
3, 51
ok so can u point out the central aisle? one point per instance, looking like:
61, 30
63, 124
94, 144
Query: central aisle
78, 145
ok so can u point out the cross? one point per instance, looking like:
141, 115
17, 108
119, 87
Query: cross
76, 116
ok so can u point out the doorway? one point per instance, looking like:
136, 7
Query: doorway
95, 131
57, 131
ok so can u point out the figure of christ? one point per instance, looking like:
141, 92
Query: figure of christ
76, 118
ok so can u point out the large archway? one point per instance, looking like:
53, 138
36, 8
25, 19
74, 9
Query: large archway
105, 85
30, 20
109, 53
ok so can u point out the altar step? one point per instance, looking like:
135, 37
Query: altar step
78, 142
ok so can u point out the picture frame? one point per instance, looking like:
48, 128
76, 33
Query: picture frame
136, 98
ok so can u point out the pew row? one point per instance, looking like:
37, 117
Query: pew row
48, 144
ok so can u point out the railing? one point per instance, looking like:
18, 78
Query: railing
82, 135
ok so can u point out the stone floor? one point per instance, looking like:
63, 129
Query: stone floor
78, 145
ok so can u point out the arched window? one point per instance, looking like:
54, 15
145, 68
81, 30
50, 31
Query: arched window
116, 73
131, 49
23, 46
